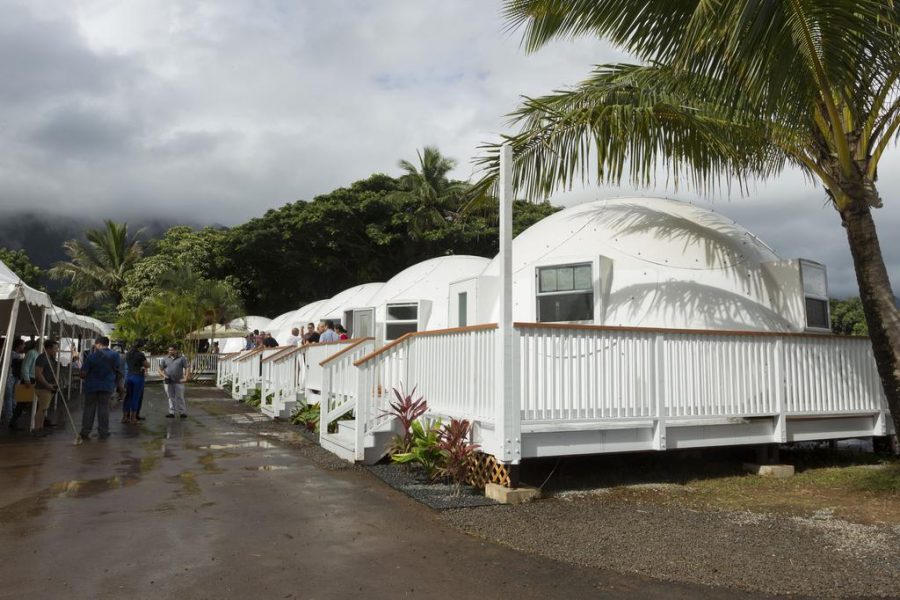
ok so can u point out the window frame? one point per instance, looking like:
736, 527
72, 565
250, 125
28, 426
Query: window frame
807, 295
591, 291
388, 321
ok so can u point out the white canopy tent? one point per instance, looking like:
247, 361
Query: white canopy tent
25, 311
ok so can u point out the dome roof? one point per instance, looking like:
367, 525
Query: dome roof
673, 264
358, 296
429, 280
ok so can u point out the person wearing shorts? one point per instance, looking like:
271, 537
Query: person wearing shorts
45, 369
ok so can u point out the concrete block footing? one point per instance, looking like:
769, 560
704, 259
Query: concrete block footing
505, 495
777, 471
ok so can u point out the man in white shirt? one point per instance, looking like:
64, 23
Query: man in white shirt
295, 339
329, 335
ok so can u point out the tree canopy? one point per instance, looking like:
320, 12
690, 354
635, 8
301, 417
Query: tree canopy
18, 261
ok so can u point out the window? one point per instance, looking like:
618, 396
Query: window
815, 292
463, 308
401, 319
565, 293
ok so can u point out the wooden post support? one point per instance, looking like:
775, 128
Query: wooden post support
508, 425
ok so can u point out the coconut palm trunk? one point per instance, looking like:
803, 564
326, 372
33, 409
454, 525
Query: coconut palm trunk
876, 294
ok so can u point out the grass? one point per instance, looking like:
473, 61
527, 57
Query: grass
857, 487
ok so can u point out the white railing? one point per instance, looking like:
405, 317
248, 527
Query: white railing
310, 369
340, 386
279, 380
586, 373
596, 377
205, 364
834, 377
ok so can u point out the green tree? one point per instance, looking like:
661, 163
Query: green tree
179, 246
21, 265
848, 317
727, 90
438, 197
305, 251
97, 266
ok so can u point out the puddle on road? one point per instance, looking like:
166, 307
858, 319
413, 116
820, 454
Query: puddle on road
256, 444
36, 504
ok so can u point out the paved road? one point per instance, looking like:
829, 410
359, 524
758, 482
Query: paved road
209, 508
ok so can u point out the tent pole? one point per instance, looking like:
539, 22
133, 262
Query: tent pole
40, 349
7, 347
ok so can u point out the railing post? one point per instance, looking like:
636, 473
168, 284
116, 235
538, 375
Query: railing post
324, 401
659, 391
362, 409
508, 426
780, 431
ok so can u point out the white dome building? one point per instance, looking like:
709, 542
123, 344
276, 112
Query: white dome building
417, 298
648, 262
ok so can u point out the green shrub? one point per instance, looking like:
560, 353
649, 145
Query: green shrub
307, 416
424, 448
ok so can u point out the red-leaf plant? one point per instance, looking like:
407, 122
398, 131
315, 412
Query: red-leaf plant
458, 452
406, 410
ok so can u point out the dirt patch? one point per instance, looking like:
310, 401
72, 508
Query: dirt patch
743, 550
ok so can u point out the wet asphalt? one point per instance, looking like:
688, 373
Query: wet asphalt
207, 507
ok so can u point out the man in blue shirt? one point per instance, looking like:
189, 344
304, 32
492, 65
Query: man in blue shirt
102, 372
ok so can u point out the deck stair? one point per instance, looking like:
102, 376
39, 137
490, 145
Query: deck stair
343, 442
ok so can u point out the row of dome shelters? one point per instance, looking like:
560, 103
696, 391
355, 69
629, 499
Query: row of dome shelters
630, 262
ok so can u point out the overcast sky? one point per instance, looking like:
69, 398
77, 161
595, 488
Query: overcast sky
214, 111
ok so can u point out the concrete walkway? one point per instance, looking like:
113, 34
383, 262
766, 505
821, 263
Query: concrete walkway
207, 508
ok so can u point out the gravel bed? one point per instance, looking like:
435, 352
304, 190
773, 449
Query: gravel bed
413, 482
817, 557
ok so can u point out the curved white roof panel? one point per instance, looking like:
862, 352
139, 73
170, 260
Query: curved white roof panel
429, 281
359, 296
655, 263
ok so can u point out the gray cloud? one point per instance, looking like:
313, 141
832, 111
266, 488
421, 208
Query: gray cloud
207, 110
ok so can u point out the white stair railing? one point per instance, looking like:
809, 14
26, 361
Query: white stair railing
340, 386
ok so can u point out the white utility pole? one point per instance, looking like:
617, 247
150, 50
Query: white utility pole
508, 423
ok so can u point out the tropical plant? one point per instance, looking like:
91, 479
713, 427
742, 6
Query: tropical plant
424, 448
97, 267
458, 454
406, 410
307, 416
254, 398
438, 197
727, 91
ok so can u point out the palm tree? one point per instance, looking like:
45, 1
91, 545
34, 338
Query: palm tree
727, 91
438, 196
97, 267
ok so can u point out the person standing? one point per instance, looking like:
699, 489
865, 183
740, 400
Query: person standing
136, 363
311, 336
270, 342
15, 367
295, 338
175, 371
45, 369
329, 335
102, 374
